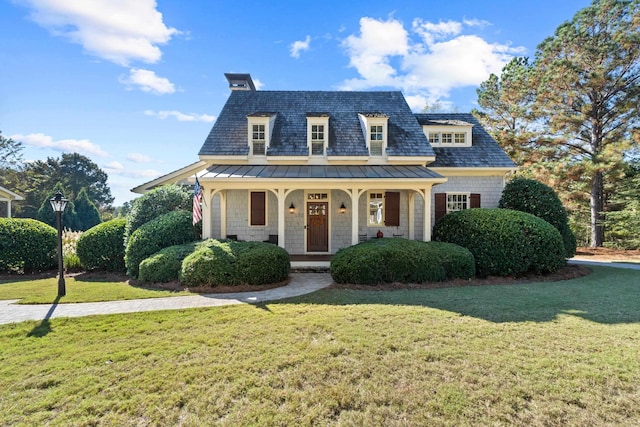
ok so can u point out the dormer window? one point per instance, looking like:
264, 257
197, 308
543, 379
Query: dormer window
317, 133
449, 133
375, 127
260, 128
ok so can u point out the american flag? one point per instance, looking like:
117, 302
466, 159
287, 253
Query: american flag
197, 198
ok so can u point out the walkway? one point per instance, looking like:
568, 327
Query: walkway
587, 261
301, 283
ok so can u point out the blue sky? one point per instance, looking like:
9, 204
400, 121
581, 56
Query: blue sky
136, 85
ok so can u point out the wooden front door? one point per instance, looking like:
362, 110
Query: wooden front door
317, 227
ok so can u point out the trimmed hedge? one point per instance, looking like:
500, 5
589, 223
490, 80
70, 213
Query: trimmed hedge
231, 263
164, 266
504, 242
173, 228
389, 260
102, 247
27, 245
531, 196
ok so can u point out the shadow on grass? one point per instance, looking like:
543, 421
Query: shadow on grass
608, 296
44, 327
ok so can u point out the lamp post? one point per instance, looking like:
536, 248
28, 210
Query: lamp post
58, 203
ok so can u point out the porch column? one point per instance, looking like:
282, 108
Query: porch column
281, 195
412, 219
206, 214
8, 208
427, 214
355, 196
223, 214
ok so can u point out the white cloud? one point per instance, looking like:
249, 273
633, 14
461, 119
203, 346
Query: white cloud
82, 146
427, 61
299, 46
117, 169
119, 31
148, 81
181, 117
139, 158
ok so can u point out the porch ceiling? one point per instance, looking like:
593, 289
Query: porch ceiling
319, 171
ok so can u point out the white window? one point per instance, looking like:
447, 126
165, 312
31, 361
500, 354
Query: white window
434, 137
457, 202
458, 135
258, 140
376, 136
376, 209
460, 138
317, 140
374, 127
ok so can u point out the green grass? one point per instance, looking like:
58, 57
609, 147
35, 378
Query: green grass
44, 291
560, 353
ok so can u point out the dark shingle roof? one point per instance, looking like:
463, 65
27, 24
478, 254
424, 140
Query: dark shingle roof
289, 137
484, 152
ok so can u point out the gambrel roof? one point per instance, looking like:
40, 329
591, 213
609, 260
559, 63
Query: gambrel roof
229, 135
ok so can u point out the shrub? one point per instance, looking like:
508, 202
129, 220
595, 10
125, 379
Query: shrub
531, 196
164, 266
154, 203
27, 245
102, 248
232, 263
504, 242
173, 228
70, 250
391, 260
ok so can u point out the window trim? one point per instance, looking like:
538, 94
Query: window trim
457, 193
453, 132
385, 208
317, 121
375, 224
266, 120
367, 121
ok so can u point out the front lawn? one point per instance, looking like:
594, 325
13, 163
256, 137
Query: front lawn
555, 353
79, 289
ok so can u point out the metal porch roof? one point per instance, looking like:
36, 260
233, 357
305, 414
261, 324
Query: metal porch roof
319, 171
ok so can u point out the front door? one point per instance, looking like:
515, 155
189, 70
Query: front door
317, 227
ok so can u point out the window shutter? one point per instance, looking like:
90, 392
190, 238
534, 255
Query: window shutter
392, 209
258, 208
441, 205
475, 201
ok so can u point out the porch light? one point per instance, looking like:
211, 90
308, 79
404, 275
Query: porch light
292, 209
58, 203
343, 208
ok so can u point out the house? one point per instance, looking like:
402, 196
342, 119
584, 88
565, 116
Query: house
8, 196
317, 171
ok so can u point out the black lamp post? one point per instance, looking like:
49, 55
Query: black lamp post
58, 203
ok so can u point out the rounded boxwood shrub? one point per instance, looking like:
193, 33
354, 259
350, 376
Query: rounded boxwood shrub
173, 228
504, 242
531, 196
231, 263
156, 202
164, 266
102, 247
389, 260
27, 245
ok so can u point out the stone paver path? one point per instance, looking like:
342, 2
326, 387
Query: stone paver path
301, 283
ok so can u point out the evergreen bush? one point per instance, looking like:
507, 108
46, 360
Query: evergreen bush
164, 266
102, 248
231, 263
27, 245
504, 242
156, 202
173, 228
389, 260
531, 196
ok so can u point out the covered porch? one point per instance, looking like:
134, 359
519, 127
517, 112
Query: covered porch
316, 210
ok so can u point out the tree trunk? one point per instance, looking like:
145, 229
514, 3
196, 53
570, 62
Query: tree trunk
597, 206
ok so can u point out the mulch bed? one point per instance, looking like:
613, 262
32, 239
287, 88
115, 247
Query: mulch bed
570, 271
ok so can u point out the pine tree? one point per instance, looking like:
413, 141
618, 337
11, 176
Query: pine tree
87, 215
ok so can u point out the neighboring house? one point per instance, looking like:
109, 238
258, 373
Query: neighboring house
318, 171
8, 197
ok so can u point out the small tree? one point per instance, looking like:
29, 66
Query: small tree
48, 216
87, 214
